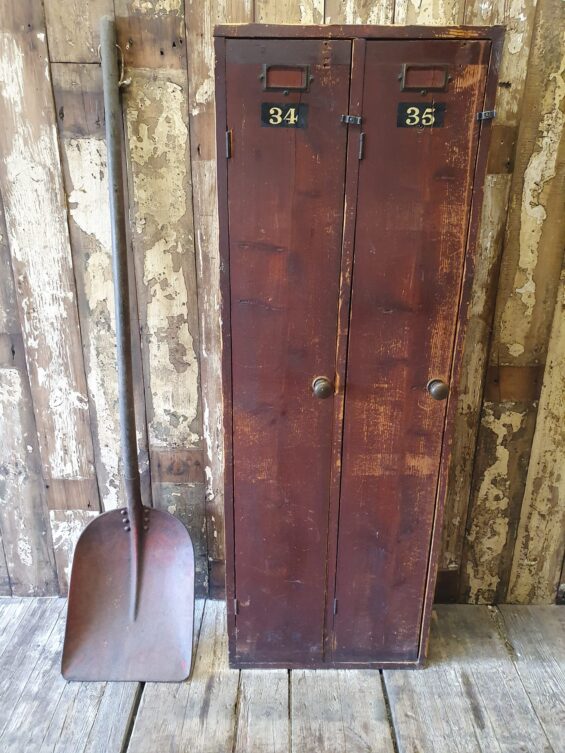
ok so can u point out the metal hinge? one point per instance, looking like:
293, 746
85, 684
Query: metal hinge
351, 119
361, 145
235, 606
335, 606
486, 115
228, 144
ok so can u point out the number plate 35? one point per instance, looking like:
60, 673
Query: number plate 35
420, 115
285, 115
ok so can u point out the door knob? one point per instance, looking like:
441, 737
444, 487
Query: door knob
438, 389
322, 387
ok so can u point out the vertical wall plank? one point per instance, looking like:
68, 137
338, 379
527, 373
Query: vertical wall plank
158, 146
460, 497
27, 565
73, 29
201, 15
526, 293
359, 12
428, 12
540, 544
80, 118
34, 202
288, 12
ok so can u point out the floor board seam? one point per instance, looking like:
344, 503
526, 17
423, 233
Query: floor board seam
389, 717
128, 731
514, 658
32, 669
236, 710
497, 617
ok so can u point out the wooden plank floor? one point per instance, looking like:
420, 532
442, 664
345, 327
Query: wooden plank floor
495, 682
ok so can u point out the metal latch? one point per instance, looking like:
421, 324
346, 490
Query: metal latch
351, 119
486, 115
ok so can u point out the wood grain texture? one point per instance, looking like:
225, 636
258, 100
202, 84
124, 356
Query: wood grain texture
499, 473
289, 11
428, 13
158, 147
475, 354
469, 698
338, 710
536, 226
200, 18
527, 292
284, 258
402, 334
80, 119
78, 717
27, 565
512, 79
263, 715
30, 180
539, 549
160, 717
537, 635
214, 689
358, 12
151, 34
73, 29
21, 653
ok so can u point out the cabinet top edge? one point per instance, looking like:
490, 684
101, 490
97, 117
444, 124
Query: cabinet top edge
357, 31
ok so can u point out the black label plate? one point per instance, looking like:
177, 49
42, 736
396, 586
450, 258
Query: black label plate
420, 114
285, 115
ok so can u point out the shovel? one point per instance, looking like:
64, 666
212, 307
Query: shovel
131, 597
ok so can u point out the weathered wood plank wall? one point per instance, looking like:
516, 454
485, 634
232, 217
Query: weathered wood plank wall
59, 458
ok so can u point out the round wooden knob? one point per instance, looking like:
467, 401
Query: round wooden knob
322, 387
438, 389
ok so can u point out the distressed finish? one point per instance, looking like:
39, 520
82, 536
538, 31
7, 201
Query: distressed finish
27, 564
406, 327
32, 190
525, 168
495, 682
527, 293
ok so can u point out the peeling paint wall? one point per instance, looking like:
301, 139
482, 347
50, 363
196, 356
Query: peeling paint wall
163, 237
58, 400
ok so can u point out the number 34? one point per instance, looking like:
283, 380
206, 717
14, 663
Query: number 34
276, 116
415, 116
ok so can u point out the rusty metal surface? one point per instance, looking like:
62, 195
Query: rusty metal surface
102, 642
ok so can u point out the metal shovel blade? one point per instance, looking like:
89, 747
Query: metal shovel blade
103, 640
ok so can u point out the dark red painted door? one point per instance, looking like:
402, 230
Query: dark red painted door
285, 184
414, 197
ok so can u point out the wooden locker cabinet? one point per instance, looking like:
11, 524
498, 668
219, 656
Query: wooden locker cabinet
350, 170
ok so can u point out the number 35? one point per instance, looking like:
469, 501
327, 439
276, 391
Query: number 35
414, 116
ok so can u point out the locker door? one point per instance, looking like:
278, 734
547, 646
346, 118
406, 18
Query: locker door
285, 203
420, 100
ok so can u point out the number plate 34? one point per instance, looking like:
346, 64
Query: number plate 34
420, 115
284, 115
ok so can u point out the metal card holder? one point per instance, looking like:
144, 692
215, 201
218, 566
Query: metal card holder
272, 76
422, 85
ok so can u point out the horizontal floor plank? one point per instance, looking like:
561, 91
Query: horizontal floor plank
40, 711
537, 634
470, 698
338, 710
160, 717
263, 722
